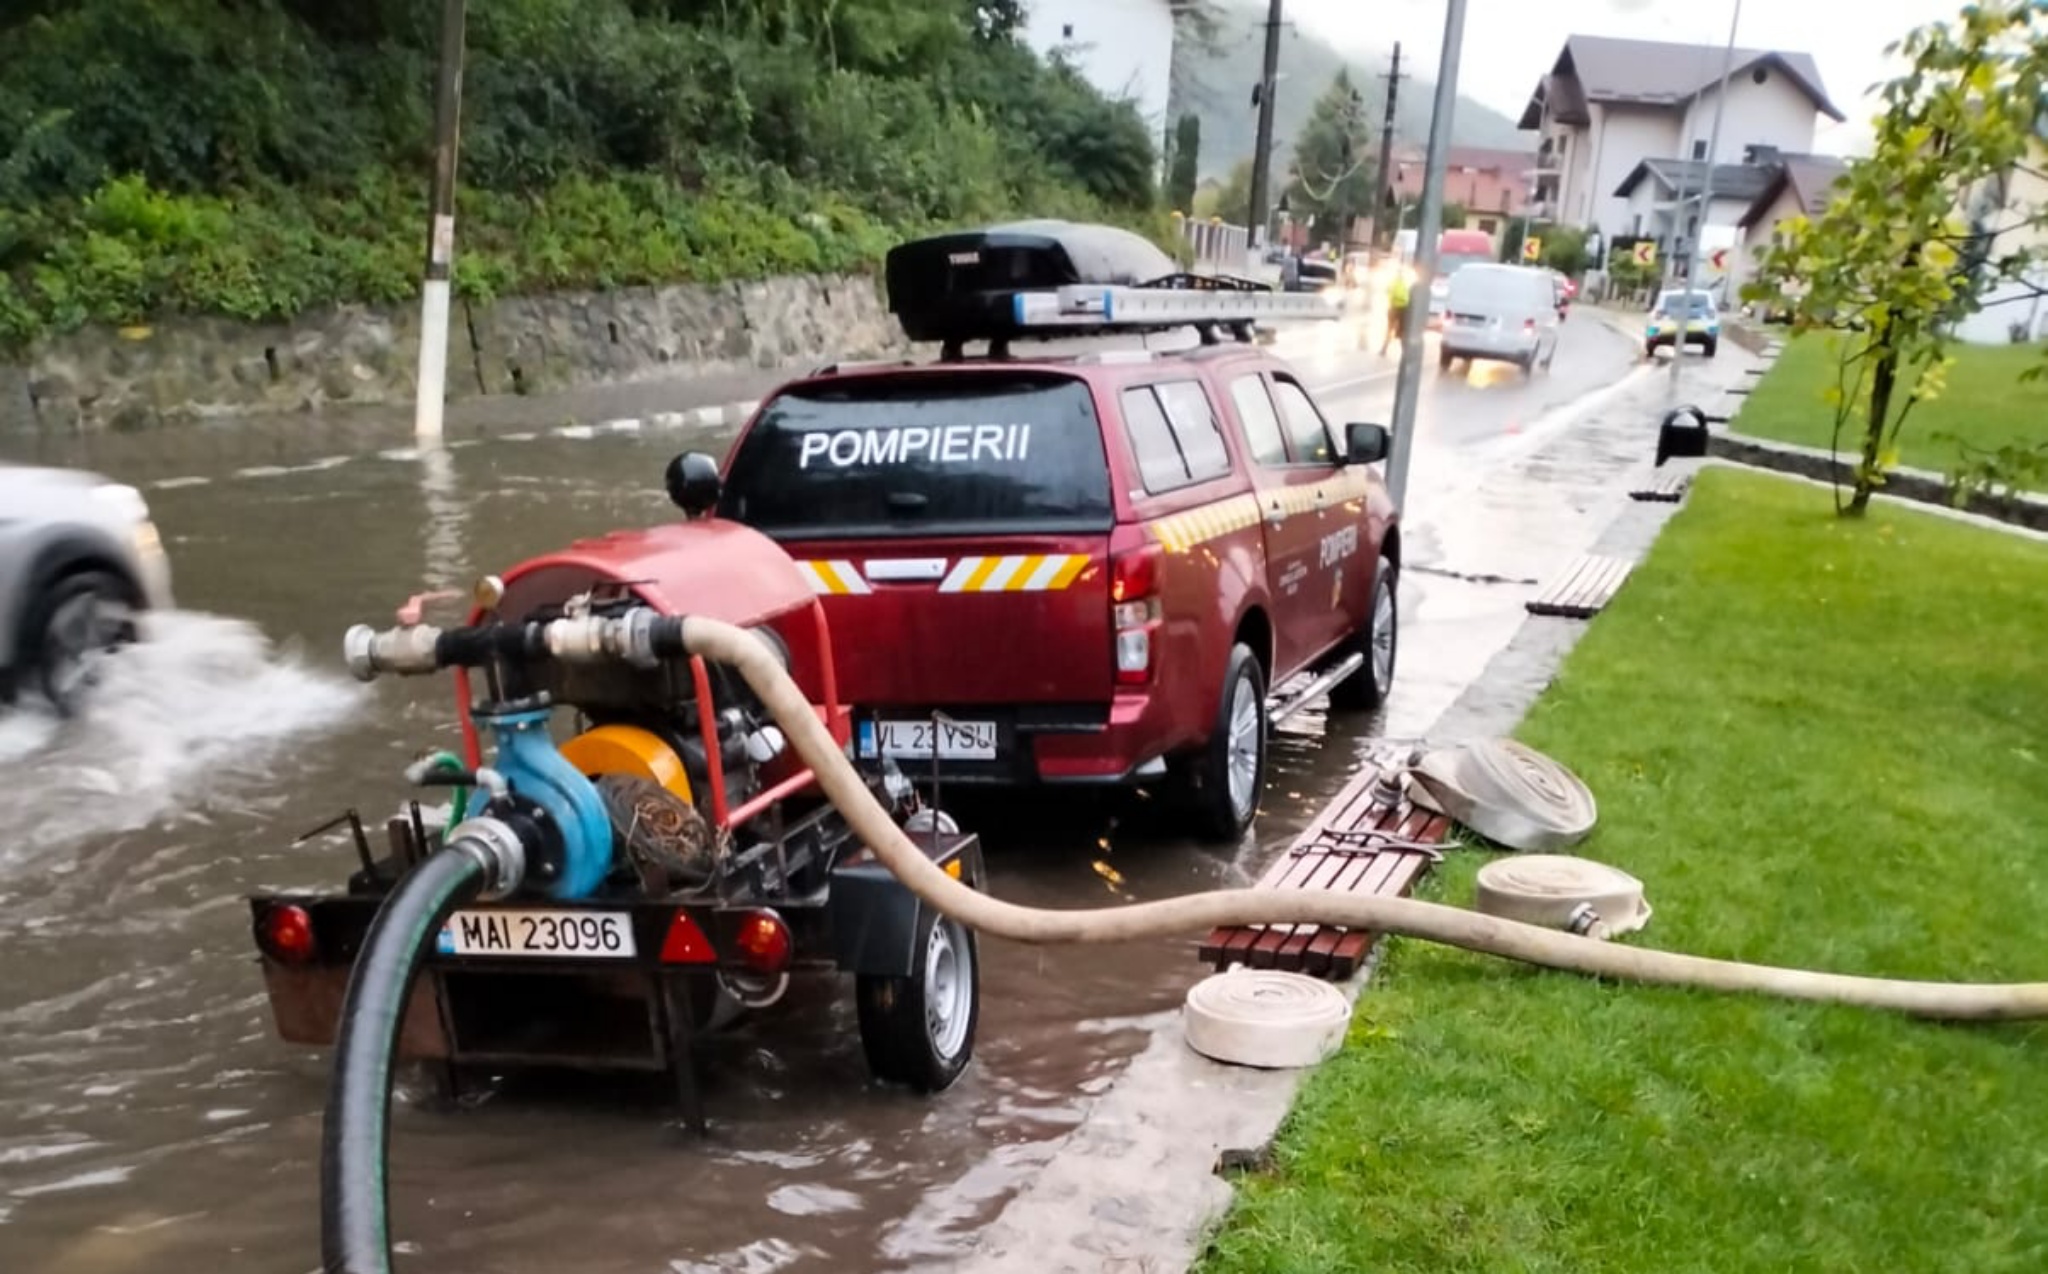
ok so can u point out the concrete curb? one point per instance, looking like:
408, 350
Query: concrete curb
1920, 486
724, 416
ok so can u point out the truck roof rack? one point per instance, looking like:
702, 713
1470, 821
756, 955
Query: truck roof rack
1043, 280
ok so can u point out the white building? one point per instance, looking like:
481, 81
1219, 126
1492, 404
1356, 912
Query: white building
1122, 47
1621, 121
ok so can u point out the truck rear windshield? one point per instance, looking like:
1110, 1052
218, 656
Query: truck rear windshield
924, 455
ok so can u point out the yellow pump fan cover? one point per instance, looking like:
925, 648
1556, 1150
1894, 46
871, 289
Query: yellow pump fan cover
625, 749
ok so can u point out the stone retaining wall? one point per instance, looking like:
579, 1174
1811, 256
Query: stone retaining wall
140, 377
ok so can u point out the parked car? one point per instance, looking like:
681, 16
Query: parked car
1701, 325
1500, 313
1092, 569
80, 560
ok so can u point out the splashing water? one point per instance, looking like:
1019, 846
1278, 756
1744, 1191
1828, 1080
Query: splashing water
180, 723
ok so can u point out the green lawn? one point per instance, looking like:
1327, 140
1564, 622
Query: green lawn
1819, 743
1984, 403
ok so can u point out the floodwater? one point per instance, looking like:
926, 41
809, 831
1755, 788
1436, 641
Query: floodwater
149, 1120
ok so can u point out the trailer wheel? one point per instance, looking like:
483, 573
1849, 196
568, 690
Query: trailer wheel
919, 1030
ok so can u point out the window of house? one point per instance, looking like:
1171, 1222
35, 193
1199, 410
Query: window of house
1699, 149
1261, 425
1066, 31
1759, 75
1488, 225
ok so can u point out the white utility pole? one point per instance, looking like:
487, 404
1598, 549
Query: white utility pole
1692, 241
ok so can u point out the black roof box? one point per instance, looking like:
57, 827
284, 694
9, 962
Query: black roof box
959, 286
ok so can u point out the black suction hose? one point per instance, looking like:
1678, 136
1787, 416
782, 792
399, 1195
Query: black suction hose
355, 1233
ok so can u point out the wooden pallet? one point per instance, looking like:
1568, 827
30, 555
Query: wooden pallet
1333, 855
1583, 589
1663, 488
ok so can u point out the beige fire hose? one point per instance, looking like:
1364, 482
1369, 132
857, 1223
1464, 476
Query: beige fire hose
1195, 913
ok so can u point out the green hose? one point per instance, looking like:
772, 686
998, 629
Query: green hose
459, 806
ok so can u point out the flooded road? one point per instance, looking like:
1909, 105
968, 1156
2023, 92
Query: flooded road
149, 1120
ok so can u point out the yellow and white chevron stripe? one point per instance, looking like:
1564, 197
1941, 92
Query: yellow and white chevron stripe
1017, 573
1183, 531
834, 578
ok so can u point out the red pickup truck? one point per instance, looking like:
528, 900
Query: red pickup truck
1090, 568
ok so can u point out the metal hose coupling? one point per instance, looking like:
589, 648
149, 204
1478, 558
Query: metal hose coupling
495, 846
408, 650
641, 637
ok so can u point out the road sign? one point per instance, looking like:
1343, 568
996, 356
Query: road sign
1719, 260
1646, 253
1532, 249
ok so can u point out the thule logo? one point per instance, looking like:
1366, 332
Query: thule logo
964, 258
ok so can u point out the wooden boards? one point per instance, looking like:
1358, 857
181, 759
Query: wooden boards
1663, 488
1359, 844
1583, 588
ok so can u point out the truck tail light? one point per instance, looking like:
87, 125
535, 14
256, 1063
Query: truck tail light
1135, 612
285, 934
764, 942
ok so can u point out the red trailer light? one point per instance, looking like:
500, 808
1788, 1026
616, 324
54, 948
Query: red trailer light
764, 942
685, 943
285, 934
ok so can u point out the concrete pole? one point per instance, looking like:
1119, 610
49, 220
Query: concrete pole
434, 295
1409, 380
1692, 242
1262, 153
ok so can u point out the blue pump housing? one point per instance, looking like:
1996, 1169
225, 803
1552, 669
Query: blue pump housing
537, 770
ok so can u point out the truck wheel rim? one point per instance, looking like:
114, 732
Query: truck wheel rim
1244, 746
1383, 637
948, 991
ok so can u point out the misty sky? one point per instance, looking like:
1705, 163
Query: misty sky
1509, 44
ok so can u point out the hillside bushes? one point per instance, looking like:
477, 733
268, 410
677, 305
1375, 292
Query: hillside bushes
256, 158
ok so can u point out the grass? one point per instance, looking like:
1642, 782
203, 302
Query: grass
1820, 743
1985, 403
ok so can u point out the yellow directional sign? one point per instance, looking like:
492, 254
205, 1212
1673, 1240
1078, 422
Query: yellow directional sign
1646, 253
1532, 249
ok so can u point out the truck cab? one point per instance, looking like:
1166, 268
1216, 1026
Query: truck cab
1098, 567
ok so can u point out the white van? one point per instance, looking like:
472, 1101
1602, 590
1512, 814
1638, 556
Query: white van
1506, 313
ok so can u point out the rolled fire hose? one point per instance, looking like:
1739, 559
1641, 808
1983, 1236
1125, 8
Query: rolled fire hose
1561, 892
1507, 792
1408, 917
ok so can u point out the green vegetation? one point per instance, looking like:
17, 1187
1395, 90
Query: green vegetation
1816, 749
1918, 230
1331, 178
1987, 406
258, 157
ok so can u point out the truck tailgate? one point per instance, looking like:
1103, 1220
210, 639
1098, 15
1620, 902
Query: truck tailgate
979, 620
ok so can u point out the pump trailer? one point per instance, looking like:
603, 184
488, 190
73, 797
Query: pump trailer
666, 866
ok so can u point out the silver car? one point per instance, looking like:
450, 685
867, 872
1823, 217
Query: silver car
80, 560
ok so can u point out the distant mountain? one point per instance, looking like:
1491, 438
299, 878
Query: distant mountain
1217, 86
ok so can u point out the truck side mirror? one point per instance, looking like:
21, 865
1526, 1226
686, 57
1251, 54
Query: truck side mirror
1366, 444
693, 484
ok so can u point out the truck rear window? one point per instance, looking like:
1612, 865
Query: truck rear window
930, 454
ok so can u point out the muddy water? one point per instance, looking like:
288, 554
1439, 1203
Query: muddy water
150, 1121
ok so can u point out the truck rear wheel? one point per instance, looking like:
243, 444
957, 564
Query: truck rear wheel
1228, 775
919, 1030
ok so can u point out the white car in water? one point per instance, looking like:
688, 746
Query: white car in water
80, 561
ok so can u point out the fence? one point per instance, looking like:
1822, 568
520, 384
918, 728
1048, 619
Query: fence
1214, 243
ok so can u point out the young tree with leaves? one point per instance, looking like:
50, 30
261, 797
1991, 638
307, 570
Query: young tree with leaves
1911, 238
1332, 173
